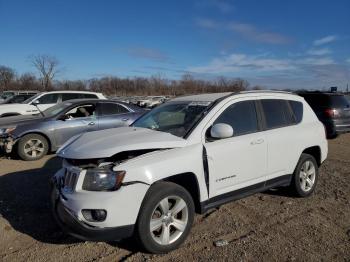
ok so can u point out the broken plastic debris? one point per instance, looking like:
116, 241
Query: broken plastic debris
220, 243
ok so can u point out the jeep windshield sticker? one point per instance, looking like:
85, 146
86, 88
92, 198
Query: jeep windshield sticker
200, 103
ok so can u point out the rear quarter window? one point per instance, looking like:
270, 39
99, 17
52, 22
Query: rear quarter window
297, 110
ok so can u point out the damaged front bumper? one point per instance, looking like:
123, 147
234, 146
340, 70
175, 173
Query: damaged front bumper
6, 143
70, 224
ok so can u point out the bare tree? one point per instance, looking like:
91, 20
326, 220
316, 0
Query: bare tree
28, 81
7, 75
47, 67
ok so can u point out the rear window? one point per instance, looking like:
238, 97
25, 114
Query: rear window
69, 96
326, 100
87, 96
297, 109
112, 109
339, 101
276, 113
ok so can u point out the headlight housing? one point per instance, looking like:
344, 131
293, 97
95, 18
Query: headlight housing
7, 130
103, 179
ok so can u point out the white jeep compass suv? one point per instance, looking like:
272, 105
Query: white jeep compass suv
188, 155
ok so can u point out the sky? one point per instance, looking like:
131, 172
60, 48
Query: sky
270, 43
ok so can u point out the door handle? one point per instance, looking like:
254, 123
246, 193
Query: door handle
91, 124
257, 142
125, 119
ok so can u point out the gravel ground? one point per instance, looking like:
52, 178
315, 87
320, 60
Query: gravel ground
266, 227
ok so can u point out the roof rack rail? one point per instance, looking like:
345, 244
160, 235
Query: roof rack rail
266, 91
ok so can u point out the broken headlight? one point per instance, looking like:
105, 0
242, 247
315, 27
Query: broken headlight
103, 179
7, 130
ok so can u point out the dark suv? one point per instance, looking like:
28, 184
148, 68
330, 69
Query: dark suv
332, 109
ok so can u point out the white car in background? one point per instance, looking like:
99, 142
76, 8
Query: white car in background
44, 100
155, 101
188, 155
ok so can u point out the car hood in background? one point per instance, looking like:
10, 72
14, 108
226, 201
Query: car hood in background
106, 143
19, 120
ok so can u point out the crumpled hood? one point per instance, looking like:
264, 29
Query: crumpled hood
106, 143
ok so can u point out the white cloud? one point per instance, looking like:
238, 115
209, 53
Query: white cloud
348, 60
221, 5
251, 32
242, 62
248, 31
147, 53
319, 52
325, 40
206, 23
316, 61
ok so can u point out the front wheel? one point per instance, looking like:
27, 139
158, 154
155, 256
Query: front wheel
32, 147
165, 218
305, 176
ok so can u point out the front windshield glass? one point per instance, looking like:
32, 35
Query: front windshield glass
176, 118
31, 99
56, 109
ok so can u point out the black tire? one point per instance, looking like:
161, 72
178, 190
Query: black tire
299, 176
24, 142
150, 205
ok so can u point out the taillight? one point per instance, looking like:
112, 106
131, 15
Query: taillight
331, 112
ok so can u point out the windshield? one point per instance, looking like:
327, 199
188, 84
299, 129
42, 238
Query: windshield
176, 118
56, 109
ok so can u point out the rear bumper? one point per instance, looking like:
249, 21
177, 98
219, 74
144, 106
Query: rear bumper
342, 128
336, 126
71, 225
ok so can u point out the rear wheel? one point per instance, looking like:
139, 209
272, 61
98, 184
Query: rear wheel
32, 147
165, 218
305, 176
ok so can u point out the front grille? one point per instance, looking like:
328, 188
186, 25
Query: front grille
70, 179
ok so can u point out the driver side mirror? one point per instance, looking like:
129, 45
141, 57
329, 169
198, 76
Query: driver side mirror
36, 102
220, 131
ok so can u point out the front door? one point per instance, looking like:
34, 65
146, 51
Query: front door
241, 160
77, 120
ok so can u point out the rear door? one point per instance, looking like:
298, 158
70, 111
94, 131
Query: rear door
113, 115
278, 124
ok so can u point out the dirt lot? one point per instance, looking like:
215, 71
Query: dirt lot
267, 226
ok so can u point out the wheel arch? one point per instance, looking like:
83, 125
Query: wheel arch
10, 114
189, 182
314, 151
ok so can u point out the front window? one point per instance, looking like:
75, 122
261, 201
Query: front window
56, 109
176, 118
241, 117
29, 100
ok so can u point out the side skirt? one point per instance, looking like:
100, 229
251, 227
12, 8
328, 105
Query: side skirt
244, 192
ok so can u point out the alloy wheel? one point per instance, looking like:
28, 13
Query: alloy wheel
34, 148
169, 220
307, 176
